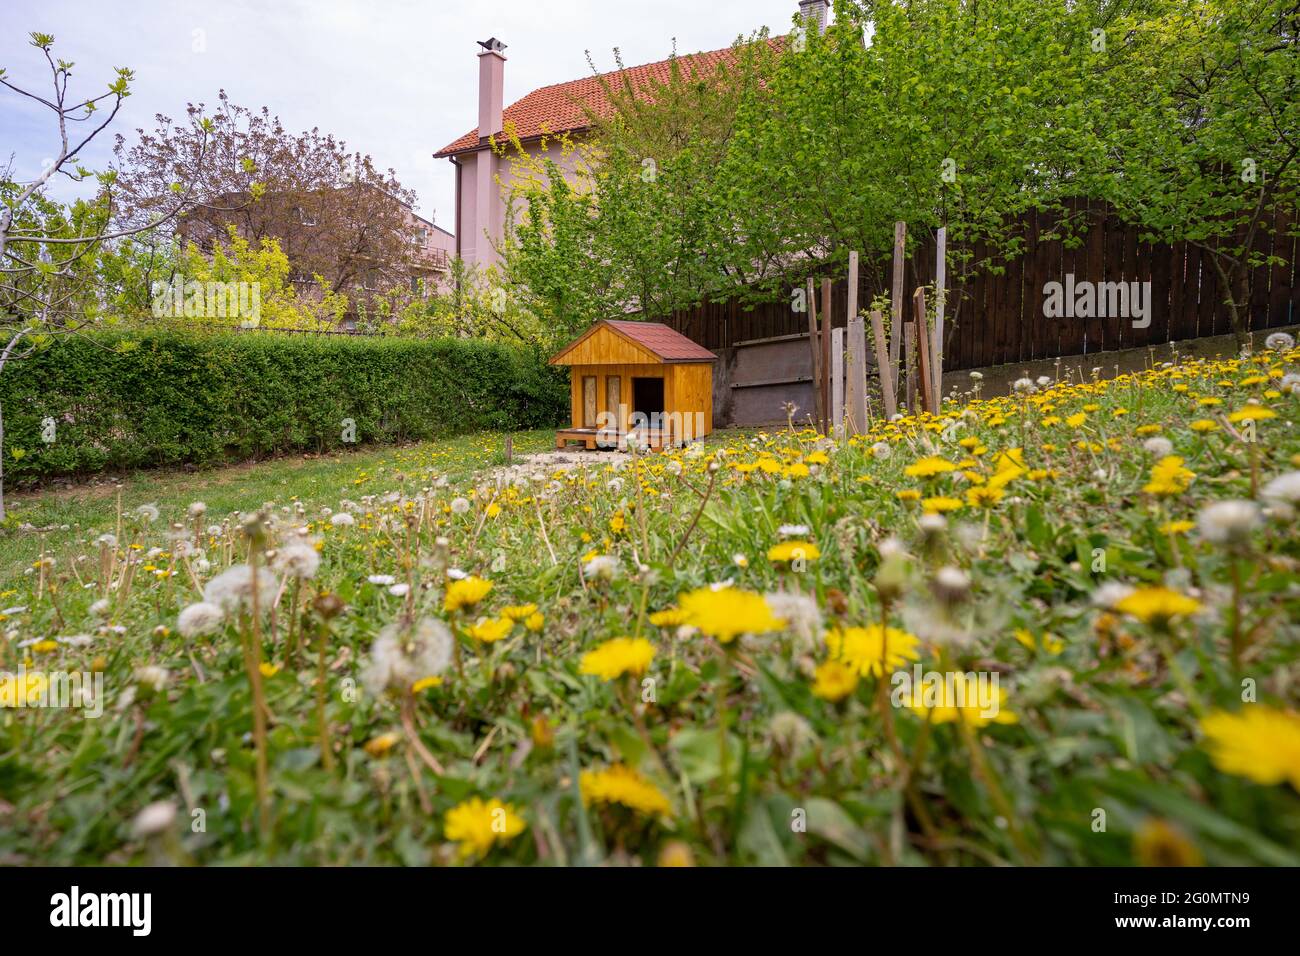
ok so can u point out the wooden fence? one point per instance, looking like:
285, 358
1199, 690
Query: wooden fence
1001, 318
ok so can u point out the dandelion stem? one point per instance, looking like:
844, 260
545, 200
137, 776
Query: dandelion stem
259, 701
322, 722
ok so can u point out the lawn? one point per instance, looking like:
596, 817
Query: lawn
1059, 627
90, 507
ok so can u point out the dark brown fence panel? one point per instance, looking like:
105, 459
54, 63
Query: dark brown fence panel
995, 319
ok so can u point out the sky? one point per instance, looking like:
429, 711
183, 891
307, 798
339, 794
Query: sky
397, 79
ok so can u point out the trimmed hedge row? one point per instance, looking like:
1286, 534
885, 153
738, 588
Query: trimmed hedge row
123, 400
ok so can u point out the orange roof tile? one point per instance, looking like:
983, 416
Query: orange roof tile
564, 107
669, 344
666, 344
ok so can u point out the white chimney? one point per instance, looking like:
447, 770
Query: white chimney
491, 86
815, 10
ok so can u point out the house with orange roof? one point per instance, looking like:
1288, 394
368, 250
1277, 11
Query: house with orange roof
537, 120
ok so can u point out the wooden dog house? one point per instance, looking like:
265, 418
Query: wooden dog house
640, 377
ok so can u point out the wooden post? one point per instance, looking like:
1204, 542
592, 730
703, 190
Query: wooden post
896, 303
510, 449
855, 390
837, 383
925, 387
882, 363
909, 364
816, 354
827, 320
941, 296
857, 375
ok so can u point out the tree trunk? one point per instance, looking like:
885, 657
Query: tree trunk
2, 463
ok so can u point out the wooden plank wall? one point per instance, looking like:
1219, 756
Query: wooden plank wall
1001, 318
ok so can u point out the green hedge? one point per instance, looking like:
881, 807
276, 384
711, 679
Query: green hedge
169, 397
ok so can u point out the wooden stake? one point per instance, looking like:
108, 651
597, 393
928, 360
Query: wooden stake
887, 392
857, 375
941, 297
837, 382
924, 351
826, 354
909, 364
855, 390
896, 303
816, 354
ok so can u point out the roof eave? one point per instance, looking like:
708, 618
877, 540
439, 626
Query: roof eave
445, 153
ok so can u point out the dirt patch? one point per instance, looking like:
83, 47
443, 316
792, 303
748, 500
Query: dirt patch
547, 463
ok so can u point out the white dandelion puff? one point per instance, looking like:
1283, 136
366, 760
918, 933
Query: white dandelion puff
199, 619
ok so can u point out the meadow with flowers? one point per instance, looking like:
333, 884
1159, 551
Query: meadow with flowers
694, 657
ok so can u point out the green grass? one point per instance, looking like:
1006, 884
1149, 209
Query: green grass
66, 515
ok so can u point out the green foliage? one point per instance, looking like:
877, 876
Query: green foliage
169, 397
265, 267
1196, 114
797, 149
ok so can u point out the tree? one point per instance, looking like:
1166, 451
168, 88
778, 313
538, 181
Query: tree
634, 215
333, 213
1198, 114
47, 248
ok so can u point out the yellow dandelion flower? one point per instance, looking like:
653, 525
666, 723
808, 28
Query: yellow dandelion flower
518, 612
984, 497
490, 629
908, 494
535, 621
1252, 413
378, 746
669, 617
834, 681
727, 612
1157, 605
465, 592
622, 785
929, 467
424, 683
1204, 425
478, 825
959, 696
614, 658
872, 649
788, 551
941, 503
1177, 527
1169, 477
1259, 743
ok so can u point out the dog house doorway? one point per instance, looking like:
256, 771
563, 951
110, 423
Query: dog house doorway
648, 398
